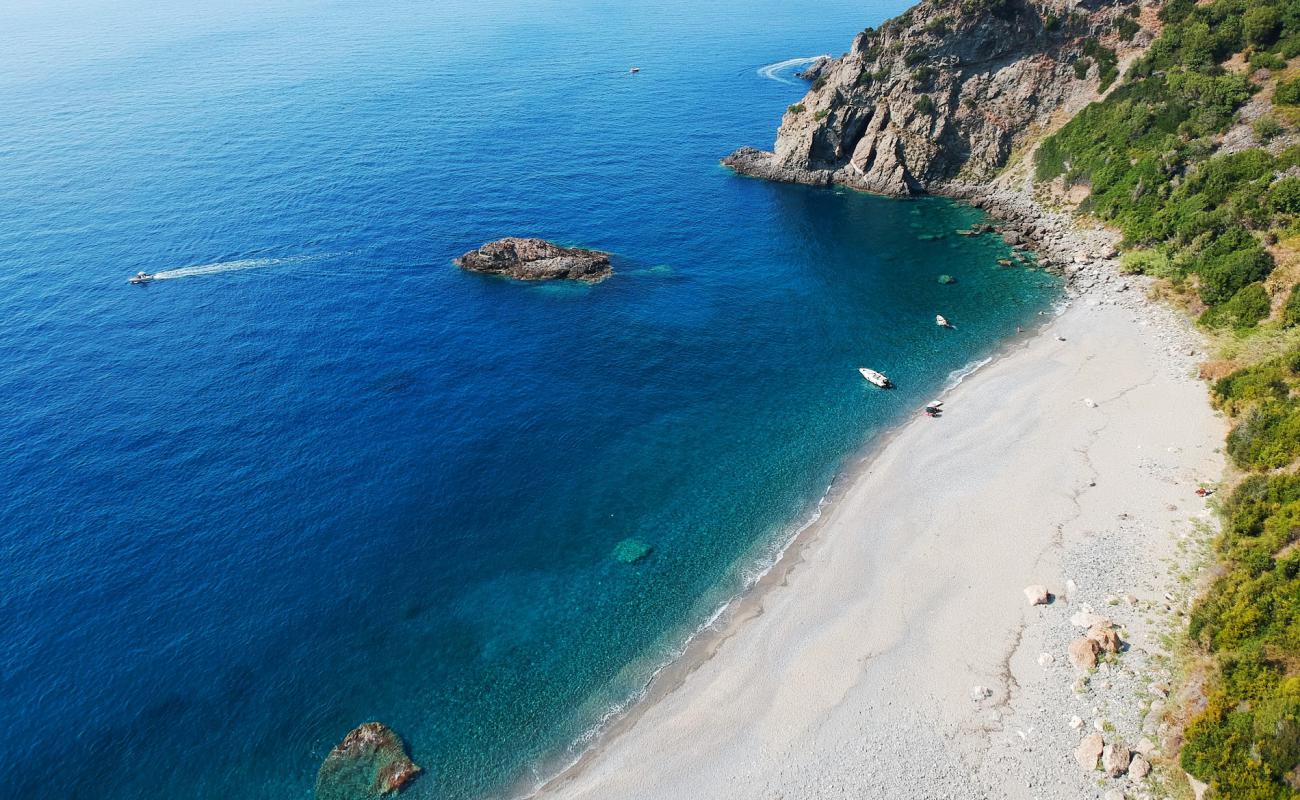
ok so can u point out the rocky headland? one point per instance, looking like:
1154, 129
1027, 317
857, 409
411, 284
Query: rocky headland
949, 98
371, 761
537, 260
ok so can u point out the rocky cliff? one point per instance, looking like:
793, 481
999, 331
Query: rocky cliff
946, 92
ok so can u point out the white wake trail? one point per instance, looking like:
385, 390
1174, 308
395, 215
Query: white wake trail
230, 266
774, 71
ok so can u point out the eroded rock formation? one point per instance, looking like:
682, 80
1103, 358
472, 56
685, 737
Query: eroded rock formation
944, 92
537, 260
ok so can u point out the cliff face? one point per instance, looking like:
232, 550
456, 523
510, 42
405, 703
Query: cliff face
944, 92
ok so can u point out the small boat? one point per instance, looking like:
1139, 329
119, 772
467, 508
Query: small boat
140, 277
634, 70
941, 321
876, 378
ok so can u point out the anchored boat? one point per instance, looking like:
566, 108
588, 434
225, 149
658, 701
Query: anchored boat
942, 321
876, 378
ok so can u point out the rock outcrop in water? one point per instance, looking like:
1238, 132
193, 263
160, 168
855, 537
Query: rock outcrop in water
944, 93
371, 761
537, 260
816, 69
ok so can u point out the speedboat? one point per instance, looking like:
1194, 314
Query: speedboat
634, 70
941, 321
140, 277
876, 378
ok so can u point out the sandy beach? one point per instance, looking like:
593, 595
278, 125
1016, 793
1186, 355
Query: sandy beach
861, 672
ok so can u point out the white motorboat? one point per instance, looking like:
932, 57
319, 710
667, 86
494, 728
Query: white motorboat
876, 378
140, 277
942, 321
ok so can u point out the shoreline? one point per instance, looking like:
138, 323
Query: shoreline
587, 773
702, 643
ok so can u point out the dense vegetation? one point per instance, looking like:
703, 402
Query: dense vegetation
1148, 152
1212, 222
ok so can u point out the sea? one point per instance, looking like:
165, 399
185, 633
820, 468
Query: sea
315, 475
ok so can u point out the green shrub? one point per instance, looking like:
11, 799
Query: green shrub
1081, 67
1230, 262
1287, 93
819, 83
1261, 24
1146, 262
1126, 27
1251, 386
1106, 60
924, 104
1268, 438
915, 57
821, 115
1262, 59
1284, 195
924, 74
797, 108
1291, 310
1266, 128
1246, 308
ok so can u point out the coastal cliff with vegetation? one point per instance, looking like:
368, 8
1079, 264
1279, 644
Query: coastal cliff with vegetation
1164, 140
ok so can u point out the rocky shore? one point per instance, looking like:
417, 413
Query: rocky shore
537, 260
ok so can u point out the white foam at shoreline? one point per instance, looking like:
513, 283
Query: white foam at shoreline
773, 71
750, 577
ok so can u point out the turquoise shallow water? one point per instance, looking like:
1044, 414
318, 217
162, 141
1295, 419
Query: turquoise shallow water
320, 476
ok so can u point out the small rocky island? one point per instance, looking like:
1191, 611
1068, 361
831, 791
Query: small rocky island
537, 260
370, 762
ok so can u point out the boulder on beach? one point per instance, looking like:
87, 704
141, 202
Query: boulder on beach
537, 260
370, 762
1104, 634
1115, 759
1037, 595
630, 551
1089, 751
1083, 653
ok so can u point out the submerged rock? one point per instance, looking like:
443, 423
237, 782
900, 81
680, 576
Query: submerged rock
630, 551
371, 761
537, 260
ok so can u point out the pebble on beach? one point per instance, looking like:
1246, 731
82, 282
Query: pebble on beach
1037, 595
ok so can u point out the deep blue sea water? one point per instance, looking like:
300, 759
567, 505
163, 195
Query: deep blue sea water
320, 476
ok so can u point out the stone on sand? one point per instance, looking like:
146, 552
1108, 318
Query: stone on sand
1115, 758
1089, 750
1083, 653
1037, 595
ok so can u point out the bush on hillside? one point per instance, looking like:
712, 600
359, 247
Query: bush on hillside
1246, 308
1287, 93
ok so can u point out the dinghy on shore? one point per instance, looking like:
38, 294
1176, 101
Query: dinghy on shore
876, 378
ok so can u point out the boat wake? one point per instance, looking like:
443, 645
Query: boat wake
781, 72
232, 266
